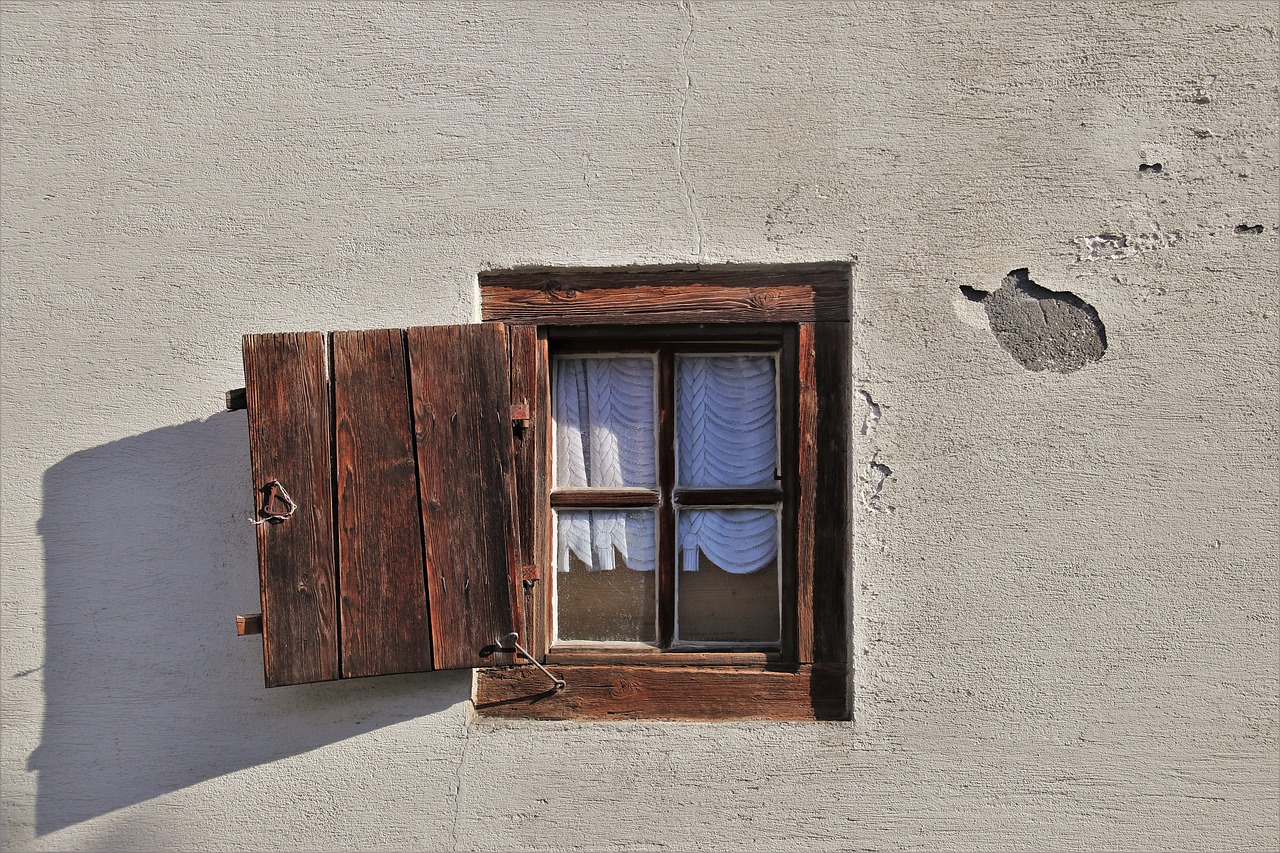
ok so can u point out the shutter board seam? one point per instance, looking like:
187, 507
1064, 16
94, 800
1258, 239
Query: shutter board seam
331, 392
417, 481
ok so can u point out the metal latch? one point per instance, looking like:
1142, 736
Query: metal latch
511, 642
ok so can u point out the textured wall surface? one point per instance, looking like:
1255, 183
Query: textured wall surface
1066, 583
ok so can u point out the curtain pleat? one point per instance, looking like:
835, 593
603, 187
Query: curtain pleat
726, 425
604, 438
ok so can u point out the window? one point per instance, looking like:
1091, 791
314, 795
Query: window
667, 495
642, 472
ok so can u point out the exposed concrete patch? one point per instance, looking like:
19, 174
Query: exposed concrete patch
1042, 329
1119, 247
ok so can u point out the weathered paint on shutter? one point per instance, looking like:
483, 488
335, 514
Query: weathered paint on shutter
385, 626
289, 442
461, 399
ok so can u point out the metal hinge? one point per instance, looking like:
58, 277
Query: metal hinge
530, 575
520, 419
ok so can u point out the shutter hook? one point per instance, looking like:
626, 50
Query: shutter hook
513, 639
268, 514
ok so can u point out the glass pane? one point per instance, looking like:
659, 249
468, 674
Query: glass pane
604, 423
726, 421
727, 587
605, 575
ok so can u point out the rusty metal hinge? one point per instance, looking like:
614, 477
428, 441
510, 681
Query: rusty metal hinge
530, 575
520, 418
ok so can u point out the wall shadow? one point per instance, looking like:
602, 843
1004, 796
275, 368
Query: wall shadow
148, 557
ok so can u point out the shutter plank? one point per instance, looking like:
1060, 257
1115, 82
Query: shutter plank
462, 409
529, 385
288, 408
385, 624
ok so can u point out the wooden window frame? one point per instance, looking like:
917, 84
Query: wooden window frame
806, 309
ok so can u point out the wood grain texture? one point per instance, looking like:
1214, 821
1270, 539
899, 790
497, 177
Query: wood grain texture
385, 624
664, 693
289, 440
666, 513
662, 303
528, 387
788, 394
831, 506
460, 377
587, 656
807, 463
604, 498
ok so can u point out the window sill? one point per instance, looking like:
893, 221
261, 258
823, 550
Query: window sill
768, 691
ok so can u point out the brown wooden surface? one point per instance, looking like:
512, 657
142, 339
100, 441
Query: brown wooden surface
662, 304
462, 408
603, 655
385, 626
728, 497
528, 388
776, 692
250, 624
666, 567
730, 294
289, 440
831, 509
788, 395
753, 336
807, 391
604, 498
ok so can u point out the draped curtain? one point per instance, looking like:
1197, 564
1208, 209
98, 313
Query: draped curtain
604, 438
726, 426
727, 437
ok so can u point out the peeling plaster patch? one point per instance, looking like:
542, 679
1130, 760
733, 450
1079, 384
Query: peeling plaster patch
873, 479
1042, 329
1120, 247
872, 418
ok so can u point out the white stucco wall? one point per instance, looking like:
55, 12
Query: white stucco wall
1066, 590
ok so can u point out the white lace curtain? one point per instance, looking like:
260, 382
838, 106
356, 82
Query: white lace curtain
605, 439
726, 424
727, 437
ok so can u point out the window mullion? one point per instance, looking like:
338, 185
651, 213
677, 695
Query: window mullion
666, 487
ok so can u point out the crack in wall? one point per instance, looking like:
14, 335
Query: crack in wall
690, 198
457, 779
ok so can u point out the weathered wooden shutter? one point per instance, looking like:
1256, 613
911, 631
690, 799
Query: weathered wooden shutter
396, 448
